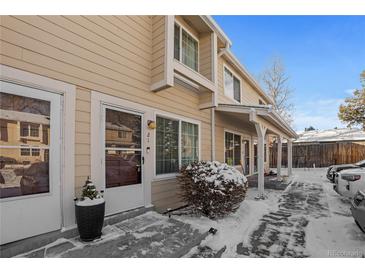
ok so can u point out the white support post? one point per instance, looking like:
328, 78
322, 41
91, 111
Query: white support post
290, 157
280, 148
261, 131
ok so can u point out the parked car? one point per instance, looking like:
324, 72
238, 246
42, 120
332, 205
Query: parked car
358, 209
332, 170
349, 182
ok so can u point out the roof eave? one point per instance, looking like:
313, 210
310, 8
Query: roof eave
266, 111
217, 29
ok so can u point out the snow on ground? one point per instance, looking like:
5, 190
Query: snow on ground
323, 225
336, 235
235, 228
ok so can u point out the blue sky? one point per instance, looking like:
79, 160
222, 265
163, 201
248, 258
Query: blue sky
323, 55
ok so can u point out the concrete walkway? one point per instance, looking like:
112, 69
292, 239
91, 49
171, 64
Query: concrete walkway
309, 219
148, 235
281, 233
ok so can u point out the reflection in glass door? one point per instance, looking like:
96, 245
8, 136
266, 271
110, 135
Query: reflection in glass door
30, 156
123, 148
24, 144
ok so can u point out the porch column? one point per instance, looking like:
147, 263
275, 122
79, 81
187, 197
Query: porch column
280, 148
290, 157
261, 131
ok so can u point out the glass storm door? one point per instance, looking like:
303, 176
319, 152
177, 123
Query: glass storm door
122, 160
30, 162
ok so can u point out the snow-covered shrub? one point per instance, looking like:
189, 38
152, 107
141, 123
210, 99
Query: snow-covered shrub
213, 189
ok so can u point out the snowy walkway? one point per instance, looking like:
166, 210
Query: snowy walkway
149, 235
307, 220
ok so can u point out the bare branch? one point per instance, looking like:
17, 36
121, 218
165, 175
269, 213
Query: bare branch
275, 82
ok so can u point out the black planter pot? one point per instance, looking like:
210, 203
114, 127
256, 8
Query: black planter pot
90, 220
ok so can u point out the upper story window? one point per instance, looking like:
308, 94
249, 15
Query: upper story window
232, 85
29, 130
185, 48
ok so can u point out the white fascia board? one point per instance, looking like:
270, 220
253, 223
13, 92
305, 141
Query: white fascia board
216, 28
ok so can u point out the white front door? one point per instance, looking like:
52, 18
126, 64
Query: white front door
30, 162
122, 159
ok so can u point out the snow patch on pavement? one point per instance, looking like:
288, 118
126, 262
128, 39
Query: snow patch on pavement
236, 227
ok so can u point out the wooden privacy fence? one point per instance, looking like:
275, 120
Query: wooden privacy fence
320, 154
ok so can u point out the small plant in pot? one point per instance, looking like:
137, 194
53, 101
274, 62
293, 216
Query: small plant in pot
90, 211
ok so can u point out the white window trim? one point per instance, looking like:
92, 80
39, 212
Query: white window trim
29, 136
179, 118
68, 91
180, 46
224, 81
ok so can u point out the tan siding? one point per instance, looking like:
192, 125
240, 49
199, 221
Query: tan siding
101, 54
158, 48
82, 139
165, 195
205, 56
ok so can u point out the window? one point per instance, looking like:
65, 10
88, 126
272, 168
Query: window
123, 156
167, 146
24, 130
177, 143
232, 85
29, 130
255, 157
25, 151
185, 48
35, 151
177, 42
25, 174
34, 130
122, 134
246, 147
189, 143
232, 149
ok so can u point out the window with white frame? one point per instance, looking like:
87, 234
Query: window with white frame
232, 85
232, 147
177, 144
29, 130
185, 47
25, 151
